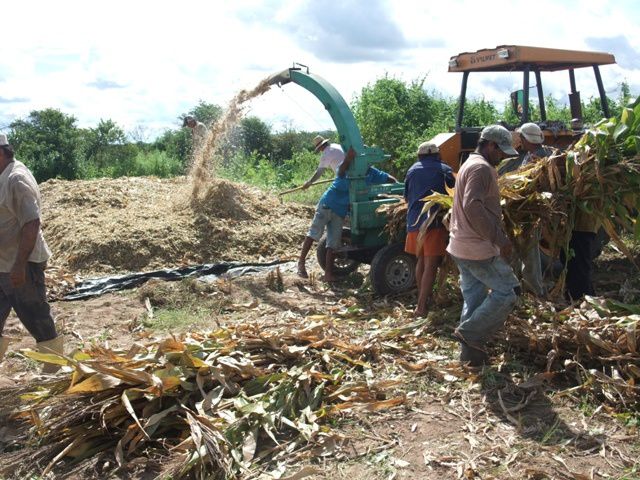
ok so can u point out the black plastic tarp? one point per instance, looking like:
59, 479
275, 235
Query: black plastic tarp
99, 286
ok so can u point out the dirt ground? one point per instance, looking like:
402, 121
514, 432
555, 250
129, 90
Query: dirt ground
458, 425
449, 427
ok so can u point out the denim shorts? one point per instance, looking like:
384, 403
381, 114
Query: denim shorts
327, 218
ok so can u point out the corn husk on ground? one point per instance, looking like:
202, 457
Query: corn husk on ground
208, 405
597, 344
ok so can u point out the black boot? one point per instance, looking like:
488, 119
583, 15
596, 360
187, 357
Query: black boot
472, 356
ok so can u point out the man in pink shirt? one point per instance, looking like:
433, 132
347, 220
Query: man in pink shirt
479, 246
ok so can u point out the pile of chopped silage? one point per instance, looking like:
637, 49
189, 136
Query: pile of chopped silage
108, 226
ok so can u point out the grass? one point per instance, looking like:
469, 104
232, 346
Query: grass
553, 434
179, 319
260, 172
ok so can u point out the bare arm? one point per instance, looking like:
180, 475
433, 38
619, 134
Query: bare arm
346, 163
26, 242
318, 173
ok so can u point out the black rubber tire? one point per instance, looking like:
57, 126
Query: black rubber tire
343, 266
392, 270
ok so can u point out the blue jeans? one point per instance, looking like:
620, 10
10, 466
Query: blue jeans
487, 290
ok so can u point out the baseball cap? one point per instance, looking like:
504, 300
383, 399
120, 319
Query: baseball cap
531, 132
501, 136
427, 148
3, 140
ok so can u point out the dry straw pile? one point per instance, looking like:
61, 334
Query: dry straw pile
108, 226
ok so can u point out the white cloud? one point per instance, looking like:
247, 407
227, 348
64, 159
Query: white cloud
167, 56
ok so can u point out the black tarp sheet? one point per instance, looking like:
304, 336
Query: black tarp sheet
99, 286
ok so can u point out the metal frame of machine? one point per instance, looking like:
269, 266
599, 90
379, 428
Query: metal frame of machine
368, 243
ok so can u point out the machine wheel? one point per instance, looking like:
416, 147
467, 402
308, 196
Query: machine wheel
392, 270
343, 265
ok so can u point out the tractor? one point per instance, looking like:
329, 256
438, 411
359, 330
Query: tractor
455, 147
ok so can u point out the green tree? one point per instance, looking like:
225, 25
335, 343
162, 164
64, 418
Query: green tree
107, 151
255, 136
479, 112
394, 115
207, 113
48, 142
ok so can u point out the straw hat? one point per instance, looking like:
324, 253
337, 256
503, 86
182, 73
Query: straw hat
319, 141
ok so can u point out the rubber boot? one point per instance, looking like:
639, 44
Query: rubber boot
51, 346
473, 356
4, 345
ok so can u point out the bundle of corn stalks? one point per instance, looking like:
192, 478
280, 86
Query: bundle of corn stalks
396, 218
203, 405
598, 343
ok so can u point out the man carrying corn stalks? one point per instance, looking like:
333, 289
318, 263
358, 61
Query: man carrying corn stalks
532, 141
426, 176
480, 246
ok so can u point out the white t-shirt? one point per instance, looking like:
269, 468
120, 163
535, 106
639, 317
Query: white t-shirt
19, 204
331, 157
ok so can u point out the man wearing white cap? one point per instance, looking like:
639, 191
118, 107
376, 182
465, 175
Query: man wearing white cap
23, 256
479, 246
532, 141
331, 158
426, 176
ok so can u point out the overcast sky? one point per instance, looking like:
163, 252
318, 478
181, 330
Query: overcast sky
144, 63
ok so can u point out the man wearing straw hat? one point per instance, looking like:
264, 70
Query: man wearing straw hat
331, 211
23, 256
331, 158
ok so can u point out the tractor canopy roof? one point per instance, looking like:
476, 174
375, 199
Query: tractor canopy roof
509, 58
